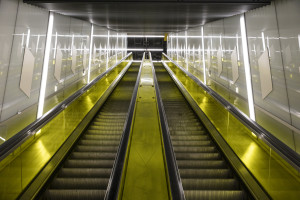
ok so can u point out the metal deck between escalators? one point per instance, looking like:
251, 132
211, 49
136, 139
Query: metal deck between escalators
204, 172
86, 171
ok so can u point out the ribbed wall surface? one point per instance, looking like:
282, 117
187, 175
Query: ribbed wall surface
86, 172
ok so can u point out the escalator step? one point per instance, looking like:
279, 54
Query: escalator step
107, 128
91, 136
198, 156
209, 195
97, 142
111, 123
101, 134
188, 164
210, 184
192, 143
93, 155
182, 132
79, 183
85, 172
83, 148
189, 138
186, 149
88, 163
205, 173
74, 194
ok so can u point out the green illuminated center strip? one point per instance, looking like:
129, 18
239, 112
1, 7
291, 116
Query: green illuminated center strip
145, 176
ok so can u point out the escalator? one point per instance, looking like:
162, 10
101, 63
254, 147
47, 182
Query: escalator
204, 172
86, 171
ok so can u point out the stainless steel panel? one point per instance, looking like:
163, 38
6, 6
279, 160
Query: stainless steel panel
265, 75
27, 72
235, 68
58, 63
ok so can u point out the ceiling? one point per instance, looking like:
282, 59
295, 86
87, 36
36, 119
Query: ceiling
149, 17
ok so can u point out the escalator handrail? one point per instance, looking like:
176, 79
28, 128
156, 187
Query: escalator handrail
112, 191
173, 172
19, 138
282, 149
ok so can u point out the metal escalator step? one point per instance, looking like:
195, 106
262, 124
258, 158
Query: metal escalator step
185, 128
186, 149
181, 120
74, 194
102, 136
189, 137
106, 128
102, 132
112, 114
192, 143
99, 142
92, 155
198, 156
193, 164
210, 184
84, 148
85, 172
178, 122
212, 195
79, 183
205, 173
182, 132
111, 123
103, 119
88, 163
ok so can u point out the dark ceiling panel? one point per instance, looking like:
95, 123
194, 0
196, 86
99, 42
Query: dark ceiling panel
146, 16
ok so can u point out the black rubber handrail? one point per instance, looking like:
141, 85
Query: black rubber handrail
112, 191
282, 149
173, 172
19, 138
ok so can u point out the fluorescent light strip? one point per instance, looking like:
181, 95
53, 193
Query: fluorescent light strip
45, 67
2, 138
203, 59
28, 38
37, 44
144, 49
247, 68
299, 41
107, 51
263, 40
147, 36
90, 54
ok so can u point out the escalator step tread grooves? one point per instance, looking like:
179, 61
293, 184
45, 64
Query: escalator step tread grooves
86, 171
203, 171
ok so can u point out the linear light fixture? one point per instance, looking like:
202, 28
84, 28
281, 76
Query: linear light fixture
90, 54
144, 49
247, 67
2, 139
45, 67
28, 38
203, 59
147, 36
107, 51
263, 40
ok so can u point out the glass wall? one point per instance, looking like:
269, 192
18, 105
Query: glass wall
23, 42
273, 35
